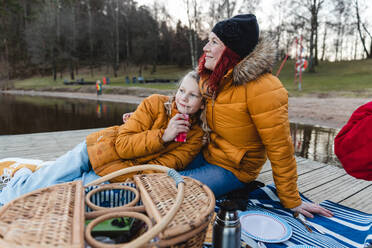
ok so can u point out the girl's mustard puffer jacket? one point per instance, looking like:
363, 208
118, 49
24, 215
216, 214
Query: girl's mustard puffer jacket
249, 122
139, 141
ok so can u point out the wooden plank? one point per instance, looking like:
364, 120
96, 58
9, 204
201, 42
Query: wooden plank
338, 189
361, 200
303, 166
45, 146
318, 177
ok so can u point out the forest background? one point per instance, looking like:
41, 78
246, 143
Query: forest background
58, 37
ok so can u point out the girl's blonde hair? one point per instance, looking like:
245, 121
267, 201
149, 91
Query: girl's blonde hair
202, 112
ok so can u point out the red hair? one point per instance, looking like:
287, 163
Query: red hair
227, 61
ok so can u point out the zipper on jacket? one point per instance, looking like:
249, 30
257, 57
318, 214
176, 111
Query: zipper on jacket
213, 99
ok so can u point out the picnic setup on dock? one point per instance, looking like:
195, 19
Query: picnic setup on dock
186, 124
178, 212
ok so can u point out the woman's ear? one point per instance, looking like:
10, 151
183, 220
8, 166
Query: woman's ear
202, 106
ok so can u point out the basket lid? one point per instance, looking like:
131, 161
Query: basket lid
47, 217
158, 194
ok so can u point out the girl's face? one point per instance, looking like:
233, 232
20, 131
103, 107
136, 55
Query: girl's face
213, 51
188, 97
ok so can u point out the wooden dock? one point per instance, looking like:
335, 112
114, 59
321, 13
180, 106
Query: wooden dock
316, 181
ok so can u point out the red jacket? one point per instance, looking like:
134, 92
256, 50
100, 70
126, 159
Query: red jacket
353, 144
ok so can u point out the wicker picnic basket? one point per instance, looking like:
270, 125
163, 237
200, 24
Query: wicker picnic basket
177, 209
48, 217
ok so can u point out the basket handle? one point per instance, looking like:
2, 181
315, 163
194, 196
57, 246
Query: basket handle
151, 233
171, 172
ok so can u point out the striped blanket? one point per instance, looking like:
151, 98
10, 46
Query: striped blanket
347, 228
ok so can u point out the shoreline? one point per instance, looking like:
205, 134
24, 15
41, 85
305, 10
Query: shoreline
329, 112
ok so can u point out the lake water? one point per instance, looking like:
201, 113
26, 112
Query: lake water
32, 114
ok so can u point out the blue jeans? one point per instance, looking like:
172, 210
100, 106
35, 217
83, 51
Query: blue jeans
74, 165
218, 179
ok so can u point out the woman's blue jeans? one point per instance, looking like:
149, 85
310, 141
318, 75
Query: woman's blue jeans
218, 179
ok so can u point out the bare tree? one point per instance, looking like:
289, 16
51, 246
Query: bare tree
308, 11
193, 16
341, 12
325, 36
222, 9
111, 14
250, 6
117, 39
90, 36
361, 26
43, 37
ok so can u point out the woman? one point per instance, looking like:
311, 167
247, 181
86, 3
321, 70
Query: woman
247, 112
147, 137
353, 144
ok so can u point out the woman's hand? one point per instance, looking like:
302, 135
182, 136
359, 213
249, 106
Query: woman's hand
306, 208
175, 126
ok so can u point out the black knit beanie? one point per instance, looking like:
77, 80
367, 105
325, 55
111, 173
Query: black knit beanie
239, 33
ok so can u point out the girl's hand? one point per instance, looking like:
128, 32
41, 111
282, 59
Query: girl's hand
306, 208
175, 126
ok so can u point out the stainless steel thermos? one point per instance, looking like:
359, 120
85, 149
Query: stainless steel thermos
226, 228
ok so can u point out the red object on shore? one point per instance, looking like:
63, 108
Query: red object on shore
181, 137
353, 144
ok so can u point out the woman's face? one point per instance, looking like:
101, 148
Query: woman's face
188, 97
213, 51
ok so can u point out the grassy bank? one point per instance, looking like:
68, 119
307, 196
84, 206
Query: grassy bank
347, 78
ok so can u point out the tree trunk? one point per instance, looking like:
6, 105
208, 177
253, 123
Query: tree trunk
360, 30
356, 47
324, 42
191, 40
195, 35
90, 35
7, 59
312, 36
140, 70
153, 70
54, 71
337, 45
72, 76
312, 65
316, 40
341, 41
73, 47
117, 62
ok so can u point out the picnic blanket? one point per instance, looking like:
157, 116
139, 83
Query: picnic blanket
347, 228
10, 166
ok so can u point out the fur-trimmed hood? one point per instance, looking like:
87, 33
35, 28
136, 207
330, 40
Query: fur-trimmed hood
260, 61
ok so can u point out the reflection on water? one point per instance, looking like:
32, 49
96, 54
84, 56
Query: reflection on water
33, 114
315, 143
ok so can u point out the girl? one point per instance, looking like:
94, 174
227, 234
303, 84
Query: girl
146, 138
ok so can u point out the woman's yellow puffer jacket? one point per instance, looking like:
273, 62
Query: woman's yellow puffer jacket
249, 122
139, 141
